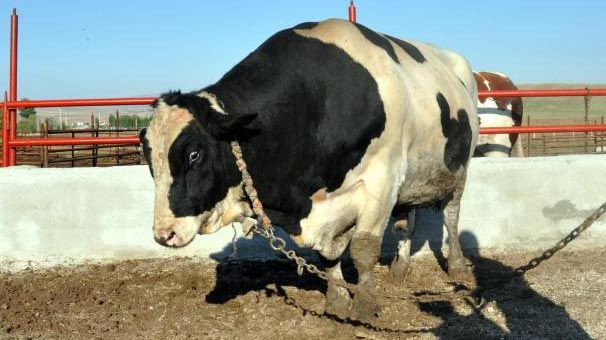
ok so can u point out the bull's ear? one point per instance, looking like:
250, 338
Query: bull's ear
233, 122
216, 123
227, 125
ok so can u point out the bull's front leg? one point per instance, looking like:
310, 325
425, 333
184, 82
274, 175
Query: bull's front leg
365, 249
338, 300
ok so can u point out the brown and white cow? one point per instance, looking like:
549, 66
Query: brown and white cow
497, 112
338, 124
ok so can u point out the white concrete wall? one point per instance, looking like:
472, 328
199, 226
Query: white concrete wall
50, 216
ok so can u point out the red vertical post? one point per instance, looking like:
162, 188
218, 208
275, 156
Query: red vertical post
12, 91
352, 11
5, 131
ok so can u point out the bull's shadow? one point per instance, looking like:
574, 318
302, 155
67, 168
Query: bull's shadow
527, 314
428, 230
255, 265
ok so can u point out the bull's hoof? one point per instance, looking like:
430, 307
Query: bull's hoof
398, 272
365, 308
460, 272
338, 302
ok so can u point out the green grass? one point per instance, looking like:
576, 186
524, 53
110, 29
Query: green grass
560, 108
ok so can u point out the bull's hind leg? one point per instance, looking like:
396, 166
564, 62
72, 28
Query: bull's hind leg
400, 266
457, 268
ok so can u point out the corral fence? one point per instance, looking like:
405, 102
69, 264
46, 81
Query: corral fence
10, 142
563, 143
84, 155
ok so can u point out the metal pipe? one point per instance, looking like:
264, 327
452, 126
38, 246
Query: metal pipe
543, 93
5, 131
81, 102
352, 11
150, 100
541, 129
134, 140
12, 91
21, 142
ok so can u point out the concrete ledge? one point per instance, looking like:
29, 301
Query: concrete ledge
58, 216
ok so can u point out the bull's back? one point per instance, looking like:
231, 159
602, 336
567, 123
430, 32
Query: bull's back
428, 95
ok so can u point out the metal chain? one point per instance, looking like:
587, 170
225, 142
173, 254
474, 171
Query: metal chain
267, 231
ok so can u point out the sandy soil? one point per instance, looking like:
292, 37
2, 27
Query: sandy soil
183, 298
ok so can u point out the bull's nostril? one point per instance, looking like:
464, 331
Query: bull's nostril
170, 236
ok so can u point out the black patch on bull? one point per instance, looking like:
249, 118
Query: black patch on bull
306, 26
378, 40
318, 111
146, 149
457, 133
410, 49
198, 186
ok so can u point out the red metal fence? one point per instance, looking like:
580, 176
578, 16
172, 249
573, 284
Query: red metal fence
10, 105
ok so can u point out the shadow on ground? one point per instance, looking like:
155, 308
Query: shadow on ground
526, 313
502, 307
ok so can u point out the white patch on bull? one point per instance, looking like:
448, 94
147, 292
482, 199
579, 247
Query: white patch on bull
502, 75
408, 91
487, 84
490, 116
215, 103
230, 209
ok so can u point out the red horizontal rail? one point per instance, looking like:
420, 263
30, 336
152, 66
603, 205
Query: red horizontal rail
130, 140
150, 100
542, 129
22, 142
543, 93
80, 102
134, 140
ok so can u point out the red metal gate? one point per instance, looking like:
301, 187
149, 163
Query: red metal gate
10, 105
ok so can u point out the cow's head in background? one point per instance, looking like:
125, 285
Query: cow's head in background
197, 186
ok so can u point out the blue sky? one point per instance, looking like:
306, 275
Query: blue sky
72, 49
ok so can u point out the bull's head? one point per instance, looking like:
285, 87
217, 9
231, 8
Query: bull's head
197, 187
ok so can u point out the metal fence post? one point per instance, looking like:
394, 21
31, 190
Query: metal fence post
5, 132
12, 90
45, 148
73, 151
528, 136
352, 11
117, 135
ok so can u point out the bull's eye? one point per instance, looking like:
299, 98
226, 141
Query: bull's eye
194, 157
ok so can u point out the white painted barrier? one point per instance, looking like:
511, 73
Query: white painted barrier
52, 216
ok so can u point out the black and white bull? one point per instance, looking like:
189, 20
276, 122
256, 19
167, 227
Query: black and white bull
338, 125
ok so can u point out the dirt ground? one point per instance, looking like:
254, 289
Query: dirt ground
181, 298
